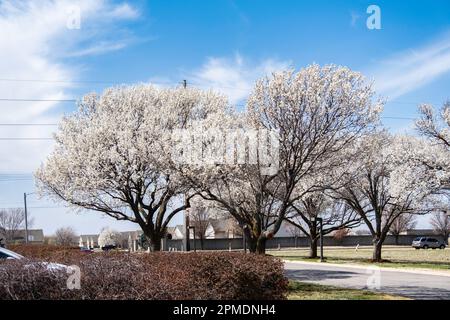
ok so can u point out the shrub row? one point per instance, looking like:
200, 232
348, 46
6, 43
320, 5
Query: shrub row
160, 276
53, 253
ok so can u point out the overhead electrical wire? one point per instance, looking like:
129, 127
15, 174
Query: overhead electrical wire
112, 82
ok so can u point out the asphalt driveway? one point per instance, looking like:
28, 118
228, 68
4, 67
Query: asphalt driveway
414, 285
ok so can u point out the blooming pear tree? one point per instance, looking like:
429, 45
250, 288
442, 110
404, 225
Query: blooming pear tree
435, 126
316, 113
114, 155
393, 178
109, 238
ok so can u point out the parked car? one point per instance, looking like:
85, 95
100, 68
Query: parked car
6, 254
428, 242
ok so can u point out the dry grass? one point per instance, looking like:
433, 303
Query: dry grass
395, 256
309, 291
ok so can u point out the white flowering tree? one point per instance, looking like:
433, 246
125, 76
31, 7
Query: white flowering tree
391, 178
114, 155
316, 113
435, 126
109, 238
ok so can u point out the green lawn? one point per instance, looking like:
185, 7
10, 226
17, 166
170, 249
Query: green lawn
395, 256
308, 291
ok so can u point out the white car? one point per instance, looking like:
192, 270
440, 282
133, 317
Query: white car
428, 242
11, 255
8, 254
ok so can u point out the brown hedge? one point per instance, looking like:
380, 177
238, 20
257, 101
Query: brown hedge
161, 276
54, 253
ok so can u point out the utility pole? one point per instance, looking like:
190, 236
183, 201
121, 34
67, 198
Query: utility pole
26, 217
187, 233
321, 239
195, 240
316, 220
187, 228
244, 238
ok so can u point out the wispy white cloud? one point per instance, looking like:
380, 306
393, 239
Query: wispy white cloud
34, 41
100, 48
124, 11
409, 70
233, 76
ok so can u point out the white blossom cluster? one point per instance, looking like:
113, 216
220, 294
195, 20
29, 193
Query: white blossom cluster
108, 238
436, 127
122, 140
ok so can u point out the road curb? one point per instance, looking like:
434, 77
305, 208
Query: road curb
361, 266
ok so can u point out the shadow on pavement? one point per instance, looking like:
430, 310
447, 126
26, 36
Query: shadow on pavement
413, 292
317, 275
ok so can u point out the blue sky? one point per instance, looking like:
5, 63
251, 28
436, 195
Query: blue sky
225, 45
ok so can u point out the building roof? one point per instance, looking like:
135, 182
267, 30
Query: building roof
220, 225
34, 235
88, 237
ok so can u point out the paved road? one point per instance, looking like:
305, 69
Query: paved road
408, 284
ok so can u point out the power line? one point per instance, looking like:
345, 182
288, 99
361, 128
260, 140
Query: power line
39, 207
24, 139
11, 177
60, 81
16, 173
183, 82
44, 207
27, 124
54, 124
37, 100
238, 105
400, 118
184, 85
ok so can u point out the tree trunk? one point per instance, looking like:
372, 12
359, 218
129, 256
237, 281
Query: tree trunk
250, 240
377, 245
261, 245
313, 248
396, 239
252, 244
155, 242
201, 243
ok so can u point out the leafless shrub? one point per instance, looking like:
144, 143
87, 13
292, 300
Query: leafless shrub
340, 234
441, 224
12, 220
154, 276
65, 236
